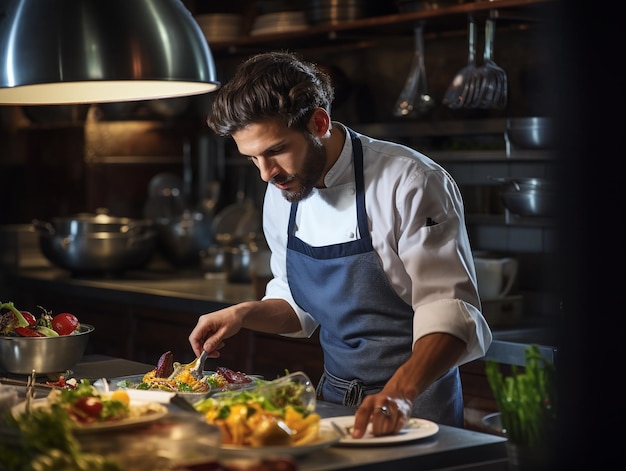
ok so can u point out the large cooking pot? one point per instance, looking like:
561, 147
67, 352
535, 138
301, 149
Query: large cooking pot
88, 223
97, 244
528, 196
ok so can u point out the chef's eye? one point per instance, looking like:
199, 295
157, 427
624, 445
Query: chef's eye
275, 151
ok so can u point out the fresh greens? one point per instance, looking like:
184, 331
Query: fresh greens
43, 440
527, 399
9, 323
275, 396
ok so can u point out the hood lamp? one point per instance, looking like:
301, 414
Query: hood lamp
100, 51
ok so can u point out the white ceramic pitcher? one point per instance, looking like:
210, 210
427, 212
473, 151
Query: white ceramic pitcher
495, 276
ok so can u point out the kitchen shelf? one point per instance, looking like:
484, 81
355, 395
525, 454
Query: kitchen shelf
493, 127
366, 29
508, 219
491, 156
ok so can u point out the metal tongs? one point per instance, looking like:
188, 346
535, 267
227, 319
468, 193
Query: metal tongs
195, 367
196, 370
30, 391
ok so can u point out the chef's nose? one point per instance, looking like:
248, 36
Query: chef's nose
268, 168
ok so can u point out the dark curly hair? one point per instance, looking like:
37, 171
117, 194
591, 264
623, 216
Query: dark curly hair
270, 86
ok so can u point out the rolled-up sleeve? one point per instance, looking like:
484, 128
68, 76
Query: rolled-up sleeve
435, 252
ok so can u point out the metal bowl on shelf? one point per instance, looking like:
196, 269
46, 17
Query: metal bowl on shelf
530, 133
528, 196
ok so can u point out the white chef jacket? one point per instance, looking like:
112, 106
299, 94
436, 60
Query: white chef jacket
415, 213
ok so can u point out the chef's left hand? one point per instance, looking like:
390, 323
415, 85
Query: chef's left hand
387, 414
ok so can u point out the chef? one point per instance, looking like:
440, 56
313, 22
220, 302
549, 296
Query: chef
368, 244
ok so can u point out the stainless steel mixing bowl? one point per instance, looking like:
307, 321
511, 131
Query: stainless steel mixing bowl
22, 355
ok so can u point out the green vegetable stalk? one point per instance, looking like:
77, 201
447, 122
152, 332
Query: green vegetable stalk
46, 331
21, 321
527, 400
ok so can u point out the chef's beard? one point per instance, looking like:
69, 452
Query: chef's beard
309, 174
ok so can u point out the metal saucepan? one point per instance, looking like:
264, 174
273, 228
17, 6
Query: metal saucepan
240, 222
239, 263
528, 196
181, 240
97, 244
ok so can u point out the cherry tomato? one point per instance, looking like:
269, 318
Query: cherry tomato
65, 323
28, 332
87, 408
32, 320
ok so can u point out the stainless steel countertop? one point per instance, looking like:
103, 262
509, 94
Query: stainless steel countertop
451, 448
193, 291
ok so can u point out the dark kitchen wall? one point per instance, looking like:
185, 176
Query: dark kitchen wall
108, 160
55, 161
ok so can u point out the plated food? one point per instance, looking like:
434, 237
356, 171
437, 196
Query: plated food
88, 409
326, 438
176, 377
279, 413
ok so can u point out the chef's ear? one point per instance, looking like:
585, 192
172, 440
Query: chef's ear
320, 122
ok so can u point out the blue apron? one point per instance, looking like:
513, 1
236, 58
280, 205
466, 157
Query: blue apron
366, 329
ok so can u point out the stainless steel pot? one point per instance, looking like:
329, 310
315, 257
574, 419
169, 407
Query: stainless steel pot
97, 244
182, 239
88, 223
238, 269
528, 196
215, 259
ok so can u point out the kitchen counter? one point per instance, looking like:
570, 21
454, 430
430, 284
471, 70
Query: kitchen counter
451, 448
193, 291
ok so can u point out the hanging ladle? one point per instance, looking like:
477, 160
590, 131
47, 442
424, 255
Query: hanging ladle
415, 100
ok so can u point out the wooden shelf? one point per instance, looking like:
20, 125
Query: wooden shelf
366, 30
509, 220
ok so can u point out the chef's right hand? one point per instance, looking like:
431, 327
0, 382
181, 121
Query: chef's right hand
213, 329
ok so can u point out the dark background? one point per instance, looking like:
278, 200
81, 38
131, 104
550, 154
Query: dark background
590, 130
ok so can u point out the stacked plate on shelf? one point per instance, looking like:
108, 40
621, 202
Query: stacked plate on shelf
336, 11
279, 22
218, 27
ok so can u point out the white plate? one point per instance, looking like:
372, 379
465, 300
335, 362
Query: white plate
327, 437
416, 429
141, 395
157, 414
